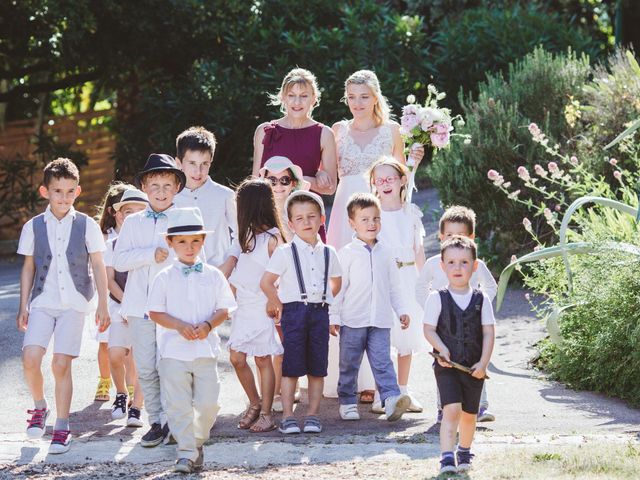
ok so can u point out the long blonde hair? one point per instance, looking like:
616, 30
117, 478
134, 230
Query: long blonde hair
401, 169
381, 110
297, 76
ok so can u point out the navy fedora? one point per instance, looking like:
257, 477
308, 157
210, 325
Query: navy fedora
161, 162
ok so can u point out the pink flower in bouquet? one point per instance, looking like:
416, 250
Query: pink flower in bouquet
440, 135
523, 173
409, 121
426, 124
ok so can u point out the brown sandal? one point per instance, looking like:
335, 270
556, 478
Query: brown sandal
264, 424
366, 396
249, 416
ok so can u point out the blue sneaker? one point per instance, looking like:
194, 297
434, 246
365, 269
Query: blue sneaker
464, 460
484, 415
448, 465
439, 416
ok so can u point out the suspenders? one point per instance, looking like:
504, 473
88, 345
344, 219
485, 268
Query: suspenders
296, 263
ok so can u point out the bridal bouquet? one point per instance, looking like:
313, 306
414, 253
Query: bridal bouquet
428, 124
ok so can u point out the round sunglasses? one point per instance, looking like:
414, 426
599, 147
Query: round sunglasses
285, 181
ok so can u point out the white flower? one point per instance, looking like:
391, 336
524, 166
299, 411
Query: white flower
411, 99
527, 224
467, 141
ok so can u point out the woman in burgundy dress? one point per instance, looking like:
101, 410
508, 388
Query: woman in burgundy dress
307, 143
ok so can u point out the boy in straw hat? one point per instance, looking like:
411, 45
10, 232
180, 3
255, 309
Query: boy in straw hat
187, 301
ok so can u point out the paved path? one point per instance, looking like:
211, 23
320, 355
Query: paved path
530, 410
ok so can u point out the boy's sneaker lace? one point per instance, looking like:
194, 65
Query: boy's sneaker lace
37, 423
448, 464
61, 442
464, 460
119, 408
133, 420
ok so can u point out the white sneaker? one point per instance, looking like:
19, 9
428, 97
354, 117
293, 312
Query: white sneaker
415, 406
277, 404
37, 423
119, 408
395, 406
61, 442
376, 407
349, 412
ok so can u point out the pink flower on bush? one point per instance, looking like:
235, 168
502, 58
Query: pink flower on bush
513, 258
547, 214
523, 173
534, 130
540, 171
527, 296
557, 208
574, 160
536, 248
617, 174
553, 167
527, 224
613, 161
492, 175
440, 135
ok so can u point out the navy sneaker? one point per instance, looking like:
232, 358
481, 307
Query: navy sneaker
153, 437
484, 415
448, 465
464, 460
439, 416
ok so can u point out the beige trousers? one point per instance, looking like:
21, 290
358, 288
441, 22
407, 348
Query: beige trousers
190, 390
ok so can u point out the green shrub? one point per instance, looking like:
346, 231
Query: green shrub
486, 40
535, 89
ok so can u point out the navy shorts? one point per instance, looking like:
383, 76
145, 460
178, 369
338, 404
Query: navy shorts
458, 387
305, 329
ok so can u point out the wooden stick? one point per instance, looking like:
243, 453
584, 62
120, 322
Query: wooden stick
456, 365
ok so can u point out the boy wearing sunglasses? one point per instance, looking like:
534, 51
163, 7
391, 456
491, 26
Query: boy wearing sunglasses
194, 155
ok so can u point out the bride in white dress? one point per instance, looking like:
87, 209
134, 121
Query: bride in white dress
369, 135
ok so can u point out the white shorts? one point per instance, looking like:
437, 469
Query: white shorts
64, 325
120, 335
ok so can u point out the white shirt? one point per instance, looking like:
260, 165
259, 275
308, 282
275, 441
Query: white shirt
193, 299
135, 253
59, 291
312, 266
218, 207
433, 306
371, 288
432, 278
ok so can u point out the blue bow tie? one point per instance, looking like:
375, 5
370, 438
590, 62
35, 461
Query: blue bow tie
156, 215
193, 268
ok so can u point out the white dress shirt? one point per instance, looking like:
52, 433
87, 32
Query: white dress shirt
312, 266
192, 298
135, 253
433, 307
371, 287
218, 207
59, 291
432, 277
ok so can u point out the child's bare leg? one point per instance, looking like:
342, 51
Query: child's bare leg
32, 365
449, 427
467, 429
315, 387
61, 367
267, 382
287, 391
103, 360
404, 368
138, 397
117, 357
277, 368
245, 375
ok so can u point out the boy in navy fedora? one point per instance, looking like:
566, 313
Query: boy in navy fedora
142, 252
188, 300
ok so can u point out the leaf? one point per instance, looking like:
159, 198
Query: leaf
634, 126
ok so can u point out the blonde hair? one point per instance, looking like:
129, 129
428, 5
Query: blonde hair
297, 76
381, 110
399, 167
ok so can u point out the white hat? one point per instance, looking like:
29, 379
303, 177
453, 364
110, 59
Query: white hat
301, 193
132, 195
278, 164
185, 221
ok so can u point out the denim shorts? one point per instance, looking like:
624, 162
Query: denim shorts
305, 329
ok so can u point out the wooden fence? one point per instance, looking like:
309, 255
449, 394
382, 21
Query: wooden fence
86, 133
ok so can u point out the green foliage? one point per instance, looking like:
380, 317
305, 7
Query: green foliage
534, 90
227, 92
486, 40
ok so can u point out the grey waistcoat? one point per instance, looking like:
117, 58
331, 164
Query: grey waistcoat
77, 256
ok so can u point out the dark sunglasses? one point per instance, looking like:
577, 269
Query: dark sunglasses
282, 180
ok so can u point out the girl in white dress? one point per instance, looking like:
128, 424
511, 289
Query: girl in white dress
402, 231
360, 141
252, 331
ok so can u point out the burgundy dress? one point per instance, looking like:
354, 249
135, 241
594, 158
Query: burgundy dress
300, 145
